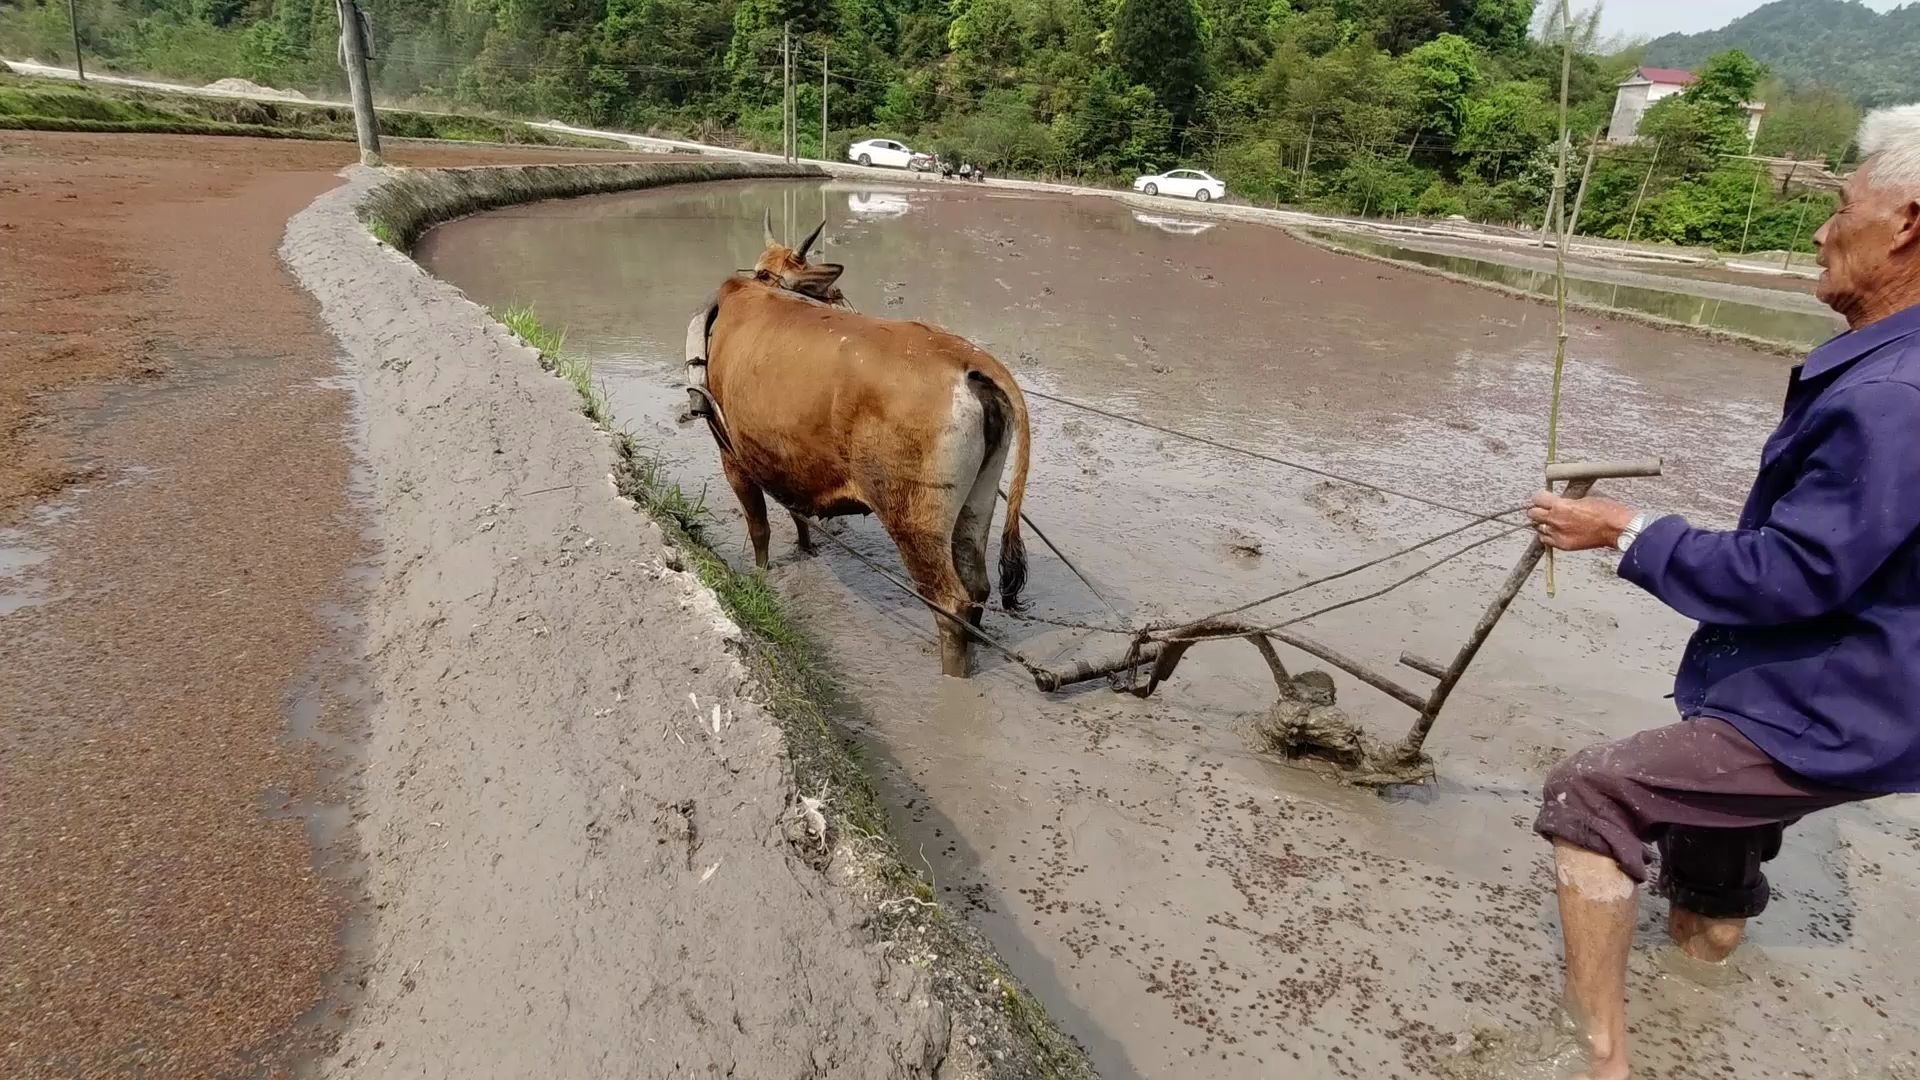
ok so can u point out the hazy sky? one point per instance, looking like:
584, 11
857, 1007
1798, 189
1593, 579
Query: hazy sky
1651, 18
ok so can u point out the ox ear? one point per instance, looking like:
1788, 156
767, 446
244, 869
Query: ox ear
815, 280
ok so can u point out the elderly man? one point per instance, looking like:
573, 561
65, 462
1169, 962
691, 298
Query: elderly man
1801, 688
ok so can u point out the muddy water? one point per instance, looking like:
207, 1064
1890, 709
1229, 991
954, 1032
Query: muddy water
1184, 904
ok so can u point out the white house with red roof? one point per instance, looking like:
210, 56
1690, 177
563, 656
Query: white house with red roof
1647, 85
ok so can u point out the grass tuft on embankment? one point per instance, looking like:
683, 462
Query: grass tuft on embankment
575, 369
1015, 1037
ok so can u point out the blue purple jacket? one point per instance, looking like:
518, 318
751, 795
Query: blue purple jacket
1809, 611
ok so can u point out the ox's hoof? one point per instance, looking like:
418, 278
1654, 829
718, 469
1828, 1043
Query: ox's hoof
954, 659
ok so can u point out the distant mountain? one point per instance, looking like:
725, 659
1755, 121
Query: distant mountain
1841, 43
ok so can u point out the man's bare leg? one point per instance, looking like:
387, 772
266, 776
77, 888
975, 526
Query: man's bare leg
1596, 918
1705, 939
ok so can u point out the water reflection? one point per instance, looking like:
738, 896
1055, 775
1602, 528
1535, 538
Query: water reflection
1769, 324
1176, 226
19, 586
877, 204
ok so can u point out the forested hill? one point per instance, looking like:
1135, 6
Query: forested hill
1872, 57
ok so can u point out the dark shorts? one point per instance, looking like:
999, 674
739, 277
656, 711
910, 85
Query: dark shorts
1714, 803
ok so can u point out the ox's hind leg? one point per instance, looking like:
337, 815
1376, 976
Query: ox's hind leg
926, 527
929, 559
971, 528
753, 503
805, 534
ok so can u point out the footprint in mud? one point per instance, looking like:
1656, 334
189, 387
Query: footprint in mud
1541, 758
1244, 547
1080, 433
1344, 504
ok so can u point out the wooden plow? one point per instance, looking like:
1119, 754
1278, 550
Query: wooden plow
1305, 722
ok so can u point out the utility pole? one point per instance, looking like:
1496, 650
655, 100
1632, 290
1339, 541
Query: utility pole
786, 92
353, 56
823, 103
1644, 181
79, 63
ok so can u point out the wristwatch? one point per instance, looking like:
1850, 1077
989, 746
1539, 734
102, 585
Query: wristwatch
1631, 533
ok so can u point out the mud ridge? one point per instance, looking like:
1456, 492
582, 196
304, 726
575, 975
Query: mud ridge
1711, 333
608, 831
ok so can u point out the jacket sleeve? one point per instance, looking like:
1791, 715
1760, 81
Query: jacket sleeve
1855, 502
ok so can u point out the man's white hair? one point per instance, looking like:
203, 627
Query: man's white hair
1890, 138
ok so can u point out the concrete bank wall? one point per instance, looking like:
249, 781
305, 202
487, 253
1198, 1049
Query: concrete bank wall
602, 838
408, 202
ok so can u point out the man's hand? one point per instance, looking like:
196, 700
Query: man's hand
1578, 524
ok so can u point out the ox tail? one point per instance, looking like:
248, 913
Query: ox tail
1013, 549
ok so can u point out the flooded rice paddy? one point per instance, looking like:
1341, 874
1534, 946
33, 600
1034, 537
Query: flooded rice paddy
1185, 905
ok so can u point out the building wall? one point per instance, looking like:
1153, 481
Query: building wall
1628, 107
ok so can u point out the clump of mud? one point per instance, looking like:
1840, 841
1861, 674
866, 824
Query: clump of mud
1306, 724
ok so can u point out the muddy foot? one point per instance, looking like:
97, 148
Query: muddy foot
1679, 963
1548, 1051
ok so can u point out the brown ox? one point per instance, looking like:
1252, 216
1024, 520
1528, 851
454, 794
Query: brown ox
832, 412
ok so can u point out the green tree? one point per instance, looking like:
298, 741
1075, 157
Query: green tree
985, 34
1401, 25
1440, 76
1727, 83
1816, 122
1157, 44
1504, 123
1497, 25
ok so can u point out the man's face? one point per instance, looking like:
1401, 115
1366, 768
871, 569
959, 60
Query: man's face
1858, 243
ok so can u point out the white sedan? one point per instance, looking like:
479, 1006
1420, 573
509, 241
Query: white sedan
881, 152
1186, 183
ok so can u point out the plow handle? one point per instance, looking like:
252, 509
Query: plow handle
1568, 471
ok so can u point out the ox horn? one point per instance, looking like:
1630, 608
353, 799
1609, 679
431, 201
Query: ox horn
811, 237
766, 222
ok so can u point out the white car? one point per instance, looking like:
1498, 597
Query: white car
881, 152
1186, 183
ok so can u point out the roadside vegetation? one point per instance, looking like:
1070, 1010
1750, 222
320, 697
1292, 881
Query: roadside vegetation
840, 817
58, 105
1374, 107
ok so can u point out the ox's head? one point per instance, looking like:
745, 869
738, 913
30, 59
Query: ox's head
789, 269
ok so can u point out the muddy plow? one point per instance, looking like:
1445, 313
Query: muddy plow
1305, 721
